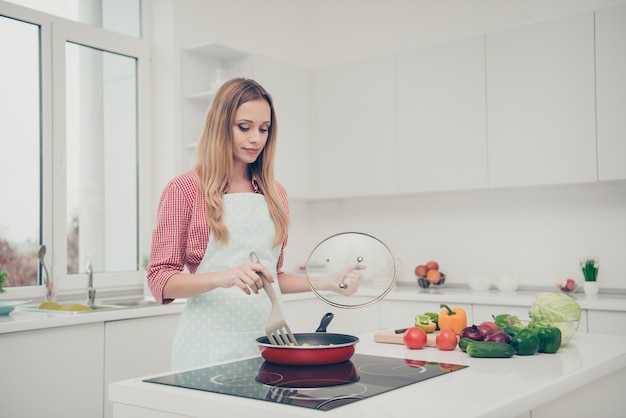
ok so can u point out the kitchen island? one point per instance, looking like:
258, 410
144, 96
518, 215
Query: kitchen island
583, 379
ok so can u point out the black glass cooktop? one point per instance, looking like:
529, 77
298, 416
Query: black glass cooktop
316, 387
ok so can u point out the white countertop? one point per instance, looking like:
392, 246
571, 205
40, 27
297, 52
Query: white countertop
463, 295
487, 388
22, 320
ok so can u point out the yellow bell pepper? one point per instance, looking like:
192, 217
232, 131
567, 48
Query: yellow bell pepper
454, 319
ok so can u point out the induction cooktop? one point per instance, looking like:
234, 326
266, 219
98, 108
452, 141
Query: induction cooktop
315, 387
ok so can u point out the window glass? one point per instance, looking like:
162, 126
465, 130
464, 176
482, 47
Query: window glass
123, 16
20, 140
101, 197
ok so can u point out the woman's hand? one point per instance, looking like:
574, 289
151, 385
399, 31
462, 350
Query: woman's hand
345, 282
246, 276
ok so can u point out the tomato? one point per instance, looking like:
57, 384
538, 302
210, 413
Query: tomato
415, 338
446, 340
491, 324
416, 364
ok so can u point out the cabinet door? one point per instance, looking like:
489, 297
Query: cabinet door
541, 103
606, 322
611, 92
53, 372
304, 315
137, 347
442, 135
355, 129
290, 89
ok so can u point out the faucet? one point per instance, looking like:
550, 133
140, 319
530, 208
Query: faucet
91, 291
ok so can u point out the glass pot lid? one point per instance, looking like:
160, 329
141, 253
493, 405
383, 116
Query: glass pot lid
339, 251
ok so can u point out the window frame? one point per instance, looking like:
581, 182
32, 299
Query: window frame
55, 32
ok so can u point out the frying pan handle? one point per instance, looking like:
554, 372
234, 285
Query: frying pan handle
325, 321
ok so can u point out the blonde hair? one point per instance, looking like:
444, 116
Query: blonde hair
214, 157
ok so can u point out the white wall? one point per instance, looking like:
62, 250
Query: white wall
539, 233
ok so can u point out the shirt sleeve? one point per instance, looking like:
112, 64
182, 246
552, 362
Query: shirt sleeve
167, 254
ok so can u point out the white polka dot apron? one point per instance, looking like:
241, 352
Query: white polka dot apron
223, 324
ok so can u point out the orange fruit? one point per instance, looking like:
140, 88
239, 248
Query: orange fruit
433, 276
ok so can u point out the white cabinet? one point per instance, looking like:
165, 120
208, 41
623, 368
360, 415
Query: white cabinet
290, 88
541, 103
606, 322
53, 372
304, 315
611, 92
137, 347
442, 135
355, 129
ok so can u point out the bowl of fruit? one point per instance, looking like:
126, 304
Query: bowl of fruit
429, 275
567, 285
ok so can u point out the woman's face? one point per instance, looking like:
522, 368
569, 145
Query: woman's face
250, 130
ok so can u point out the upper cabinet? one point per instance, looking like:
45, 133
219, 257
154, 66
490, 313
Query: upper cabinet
355, 129
205, 67
541, 103
611, 92
442, 138
290, 89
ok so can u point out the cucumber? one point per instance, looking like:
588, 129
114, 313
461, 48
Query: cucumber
464, 342
489, 349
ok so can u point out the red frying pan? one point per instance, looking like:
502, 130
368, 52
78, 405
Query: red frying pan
313, 349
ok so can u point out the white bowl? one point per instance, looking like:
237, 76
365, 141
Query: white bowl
507, 283
479, 283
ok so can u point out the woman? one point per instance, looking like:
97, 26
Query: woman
211, 218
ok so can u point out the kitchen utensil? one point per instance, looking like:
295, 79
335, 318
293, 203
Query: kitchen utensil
353, 248
314, 349
276, 329
50, 290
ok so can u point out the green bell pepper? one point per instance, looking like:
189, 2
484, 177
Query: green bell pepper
501, 320
424, 322
511, 331
526, 342
549, 339
434, 316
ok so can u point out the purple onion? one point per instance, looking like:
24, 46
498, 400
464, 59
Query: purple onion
473, 333
499, 337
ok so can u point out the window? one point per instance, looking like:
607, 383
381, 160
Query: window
20, 169
123, 16
71, 134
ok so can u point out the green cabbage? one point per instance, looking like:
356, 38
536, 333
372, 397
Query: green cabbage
554, 307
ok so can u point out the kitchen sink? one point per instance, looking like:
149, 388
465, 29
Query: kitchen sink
104, 305
95, 308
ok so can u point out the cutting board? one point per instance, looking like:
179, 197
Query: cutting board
392, 337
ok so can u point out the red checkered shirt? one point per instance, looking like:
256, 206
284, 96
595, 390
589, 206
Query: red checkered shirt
181, 234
